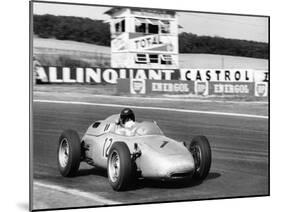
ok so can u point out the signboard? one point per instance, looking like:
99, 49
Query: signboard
101, 75
218, 75
189, 87
201, 88
138, 42
154, 43
261, 89
120, 43
231, 88
170, 87
137, 86
261, 76
95, 75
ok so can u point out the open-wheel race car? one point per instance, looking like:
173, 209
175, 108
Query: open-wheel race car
144, 153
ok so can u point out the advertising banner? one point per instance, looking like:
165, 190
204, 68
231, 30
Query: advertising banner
138, 86
231, 88
154, 42
101, 75
217, 75
261, 89
97, 75
261, 76
201, 88
170, 87
142, 87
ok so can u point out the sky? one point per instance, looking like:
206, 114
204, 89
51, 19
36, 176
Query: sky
227, 26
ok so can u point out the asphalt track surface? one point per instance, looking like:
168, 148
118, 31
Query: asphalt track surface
239, 149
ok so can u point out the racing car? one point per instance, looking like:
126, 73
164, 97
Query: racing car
147, 153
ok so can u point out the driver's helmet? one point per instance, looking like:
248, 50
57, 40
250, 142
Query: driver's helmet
126, 115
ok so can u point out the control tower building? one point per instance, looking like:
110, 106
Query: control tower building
143, 38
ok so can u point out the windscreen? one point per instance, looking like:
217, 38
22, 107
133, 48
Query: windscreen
148, 128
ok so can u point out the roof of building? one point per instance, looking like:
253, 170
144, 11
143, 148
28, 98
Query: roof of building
117, 9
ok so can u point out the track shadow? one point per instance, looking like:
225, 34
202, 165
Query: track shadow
145, 183
148, 183
213, 175
92, 171
175, 183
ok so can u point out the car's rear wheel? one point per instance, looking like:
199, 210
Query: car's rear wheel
201, 152
69, 153
120, 167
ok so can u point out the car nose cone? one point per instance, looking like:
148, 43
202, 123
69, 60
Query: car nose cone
177, 166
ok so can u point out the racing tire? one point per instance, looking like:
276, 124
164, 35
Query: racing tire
201, 152
69, 153
120, 167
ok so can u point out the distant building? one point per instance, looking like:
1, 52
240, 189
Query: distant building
143, 38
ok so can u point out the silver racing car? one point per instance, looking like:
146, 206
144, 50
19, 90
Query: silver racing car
144, 153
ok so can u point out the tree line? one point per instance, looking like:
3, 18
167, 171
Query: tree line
191, 43
97, 32
72, 28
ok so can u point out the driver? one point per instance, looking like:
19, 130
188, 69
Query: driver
126, 123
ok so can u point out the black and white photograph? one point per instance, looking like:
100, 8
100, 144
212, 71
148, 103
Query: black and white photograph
139, 105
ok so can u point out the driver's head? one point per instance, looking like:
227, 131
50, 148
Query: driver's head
126, 115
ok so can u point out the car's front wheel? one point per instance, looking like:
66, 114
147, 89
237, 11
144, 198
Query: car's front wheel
201, 152
69, 153
119, 166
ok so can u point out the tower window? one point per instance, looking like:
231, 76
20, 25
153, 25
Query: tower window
141, 59
165, 26
120, 26
153, 58
153, 26
140, 25
166, 59
145, 25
